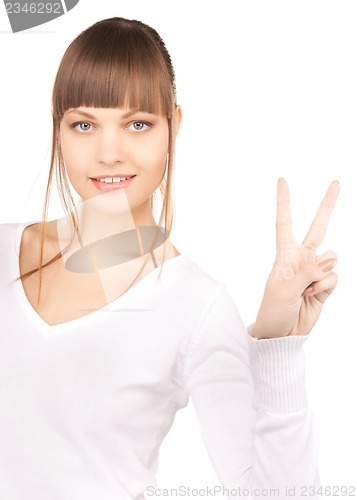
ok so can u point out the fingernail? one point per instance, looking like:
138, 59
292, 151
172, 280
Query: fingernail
327, 265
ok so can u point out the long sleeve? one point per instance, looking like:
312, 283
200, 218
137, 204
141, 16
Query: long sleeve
250, 399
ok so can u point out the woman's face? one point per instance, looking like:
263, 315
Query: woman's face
101, 145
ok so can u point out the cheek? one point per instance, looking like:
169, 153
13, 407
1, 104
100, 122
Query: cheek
156, 166
157, 157
74, 157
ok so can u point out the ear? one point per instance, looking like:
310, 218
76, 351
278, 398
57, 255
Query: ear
178, 118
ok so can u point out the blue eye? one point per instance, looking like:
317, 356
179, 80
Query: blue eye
80, 124
139, 126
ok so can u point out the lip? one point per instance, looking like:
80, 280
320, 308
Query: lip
111, 186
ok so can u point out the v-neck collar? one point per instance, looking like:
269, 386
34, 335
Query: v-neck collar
136, 291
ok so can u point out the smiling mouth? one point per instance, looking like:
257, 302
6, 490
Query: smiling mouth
111, 180
108, 183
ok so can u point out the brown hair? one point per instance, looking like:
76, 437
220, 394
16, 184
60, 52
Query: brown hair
115, 62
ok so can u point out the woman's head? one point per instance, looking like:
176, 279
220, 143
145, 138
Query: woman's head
115, 63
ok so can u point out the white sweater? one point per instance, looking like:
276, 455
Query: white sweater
85, 405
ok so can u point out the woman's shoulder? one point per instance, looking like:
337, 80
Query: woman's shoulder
10, 241
10, 233
24, 235
10, 228
30, 242
194, 278
15, 229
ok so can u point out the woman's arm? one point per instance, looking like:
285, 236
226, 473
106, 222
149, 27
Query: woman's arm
248, 389
250, 399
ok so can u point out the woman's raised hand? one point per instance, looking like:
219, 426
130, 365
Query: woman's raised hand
300, 280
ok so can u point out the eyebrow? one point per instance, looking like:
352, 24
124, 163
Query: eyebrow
88, 115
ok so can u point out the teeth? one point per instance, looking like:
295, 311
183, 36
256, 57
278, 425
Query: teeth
112, 179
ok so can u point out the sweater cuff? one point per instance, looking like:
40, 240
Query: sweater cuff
278, 370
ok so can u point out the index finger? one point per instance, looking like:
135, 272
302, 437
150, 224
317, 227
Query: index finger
318, 228
284, 224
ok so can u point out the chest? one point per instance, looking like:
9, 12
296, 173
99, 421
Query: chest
118, 373
58, 295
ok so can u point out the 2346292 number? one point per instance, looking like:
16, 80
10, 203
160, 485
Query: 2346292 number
33, 8
328, 491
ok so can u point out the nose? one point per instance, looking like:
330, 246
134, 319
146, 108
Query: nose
110, 147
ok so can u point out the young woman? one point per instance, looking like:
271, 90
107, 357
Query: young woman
108, 329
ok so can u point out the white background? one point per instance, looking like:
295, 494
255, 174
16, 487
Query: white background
268, 89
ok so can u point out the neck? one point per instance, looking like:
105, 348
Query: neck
111, 214
105, 216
